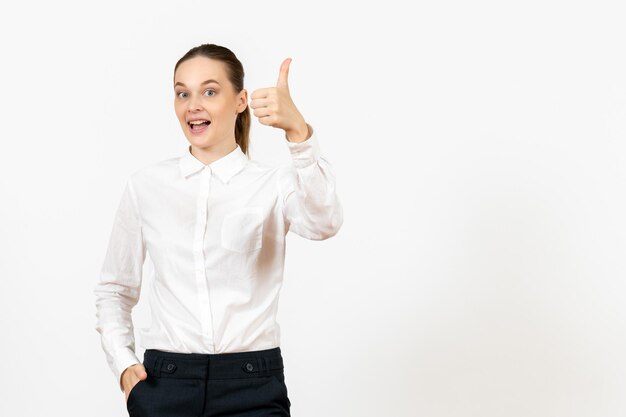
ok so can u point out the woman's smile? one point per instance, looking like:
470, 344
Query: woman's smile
198, 126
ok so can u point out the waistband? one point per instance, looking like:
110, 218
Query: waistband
229, 365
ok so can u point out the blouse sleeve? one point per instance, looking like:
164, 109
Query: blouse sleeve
311, 207
119, 285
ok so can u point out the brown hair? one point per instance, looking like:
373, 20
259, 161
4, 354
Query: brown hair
235, 73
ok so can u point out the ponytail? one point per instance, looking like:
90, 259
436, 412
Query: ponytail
242, 129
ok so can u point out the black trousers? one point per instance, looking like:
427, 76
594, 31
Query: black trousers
236, 384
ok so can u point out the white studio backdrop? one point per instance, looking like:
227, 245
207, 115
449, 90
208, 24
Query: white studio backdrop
480, 159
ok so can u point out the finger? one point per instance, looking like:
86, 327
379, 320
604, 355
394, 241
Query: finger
260, 93
262, 112
259, 102
284, 74
267, 120
140, 372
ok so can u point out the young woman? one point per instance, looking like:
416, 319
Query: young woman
214, 223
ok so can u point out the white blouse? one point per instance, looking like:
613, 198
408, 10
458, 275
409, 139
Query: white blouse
216, 237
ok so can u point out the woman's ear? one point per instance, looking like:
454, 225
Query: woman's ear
242, 100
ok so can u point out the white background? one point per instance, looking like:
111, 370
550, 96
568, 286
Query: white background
480, 159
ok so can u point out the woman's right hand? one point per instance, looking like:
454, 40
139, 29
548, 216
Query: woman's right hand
131, 376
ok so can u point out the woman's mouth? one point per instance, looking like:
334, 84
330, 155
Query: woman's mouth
198, 126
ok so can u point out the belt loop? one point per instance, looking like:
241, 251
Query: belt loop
259, 365
267, 365
157, 366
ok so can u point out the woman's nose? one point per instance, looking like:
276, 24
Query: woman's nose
194, 103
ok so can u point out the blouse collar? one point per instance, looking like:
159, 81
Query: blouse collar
225, 167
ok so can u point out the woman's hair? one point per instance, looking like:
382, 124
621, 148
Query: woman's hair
235, 73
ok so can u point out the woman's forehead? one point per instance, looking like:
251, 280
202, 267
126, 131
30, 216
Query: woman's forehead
197, 70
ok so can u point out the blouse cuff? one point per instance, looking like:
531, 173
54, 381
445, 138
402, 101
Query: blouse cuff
307, 152
125, 359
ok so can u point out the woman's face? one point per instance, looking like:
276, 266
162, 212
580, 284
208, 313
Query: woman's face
203, 92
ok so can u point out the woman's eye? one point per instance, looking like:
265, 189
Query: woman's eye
182, 94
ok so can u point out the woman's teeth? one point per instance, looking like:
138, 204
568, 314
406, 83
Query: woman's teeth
199, 124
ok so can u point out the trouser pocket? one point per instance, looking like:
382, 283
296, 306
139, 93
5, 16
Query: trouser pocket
162, 396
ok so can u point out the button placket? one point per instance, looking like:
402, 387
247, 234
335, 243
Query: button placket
198, 249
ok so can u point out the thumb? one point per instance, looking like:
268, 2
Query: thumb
284, 74
140, 372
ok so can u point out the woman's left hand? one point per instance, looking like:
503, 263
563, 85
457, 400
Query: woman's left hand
273, 107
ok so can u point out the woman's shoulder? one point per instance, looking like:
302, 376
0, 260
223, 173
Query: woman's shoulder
262, 168
156, 170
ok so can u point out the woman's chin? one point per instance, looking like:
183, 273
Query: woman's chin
198, 140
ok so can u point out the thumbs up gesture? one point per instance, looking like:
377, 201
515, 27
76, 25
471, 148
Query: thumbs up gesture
273, 107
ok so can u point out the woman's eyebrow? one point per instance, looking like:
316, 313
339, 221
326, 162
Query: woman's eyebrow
203, 83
